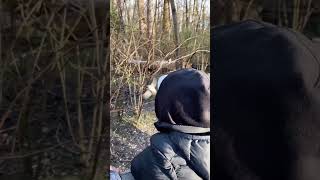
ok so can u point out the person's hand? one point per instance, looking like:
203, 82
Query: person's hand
114, 173
112, 168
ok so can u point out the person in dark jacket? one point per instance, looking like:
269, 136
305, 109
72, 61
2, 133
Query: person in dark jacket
181, 149
266, 103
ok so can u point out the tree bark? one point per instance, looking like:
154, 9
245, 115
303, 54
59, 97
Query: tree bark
175, 26
154, 28
142, 18
187, 14
120, 14
149, 35
165, 17
195, 8
199, 15
203, 17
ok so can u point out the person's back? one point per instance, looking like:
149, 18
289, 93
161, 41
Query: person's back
181, 149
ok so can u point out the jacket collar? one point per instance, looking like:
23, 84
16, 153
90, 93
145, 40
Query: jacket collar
164, 126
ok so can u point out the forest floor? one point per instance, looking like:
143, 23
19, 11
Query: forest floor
49, 153
129, 136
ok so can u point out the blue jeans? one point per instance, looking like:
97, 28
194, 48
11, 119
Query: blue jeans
114, 175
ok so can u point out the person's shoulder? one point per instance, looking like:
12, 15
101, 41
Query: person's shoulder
162, 143
160, 140
248, 29
246, 24
170, 143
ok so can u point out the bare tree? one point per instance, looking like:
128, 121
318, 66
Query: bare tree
120, 14
199, 15
203, 16
127, 11
142, 18
175, 26
194, 11
187, 13
294, 13
165, 17
148, 20
154, 28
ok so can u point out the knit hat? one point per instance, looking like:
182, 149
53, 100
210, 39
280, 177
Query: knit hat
183, 102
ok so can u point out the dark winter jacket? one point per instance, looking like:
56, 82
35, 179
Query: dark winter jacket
174, 156
181, 150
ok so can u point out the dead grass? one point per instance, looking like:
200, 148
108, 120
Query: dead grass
144, 123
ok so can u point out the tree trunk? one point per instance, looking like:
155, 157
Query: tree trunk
175, 27
127, 11
154, 28
187, 15
195, 8
134, 14
149, 35
203, 25
295, 13
142, 18
200, 15
165, 17
120, 14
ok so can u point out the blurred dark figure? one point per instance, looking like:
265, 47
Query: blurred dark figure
266, 103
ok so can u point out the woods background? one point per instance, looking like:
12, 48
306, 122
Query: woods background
150, 38
55, 72
53, 89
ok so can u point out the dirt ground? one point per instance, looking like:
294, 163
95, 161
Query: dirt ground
129, 136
